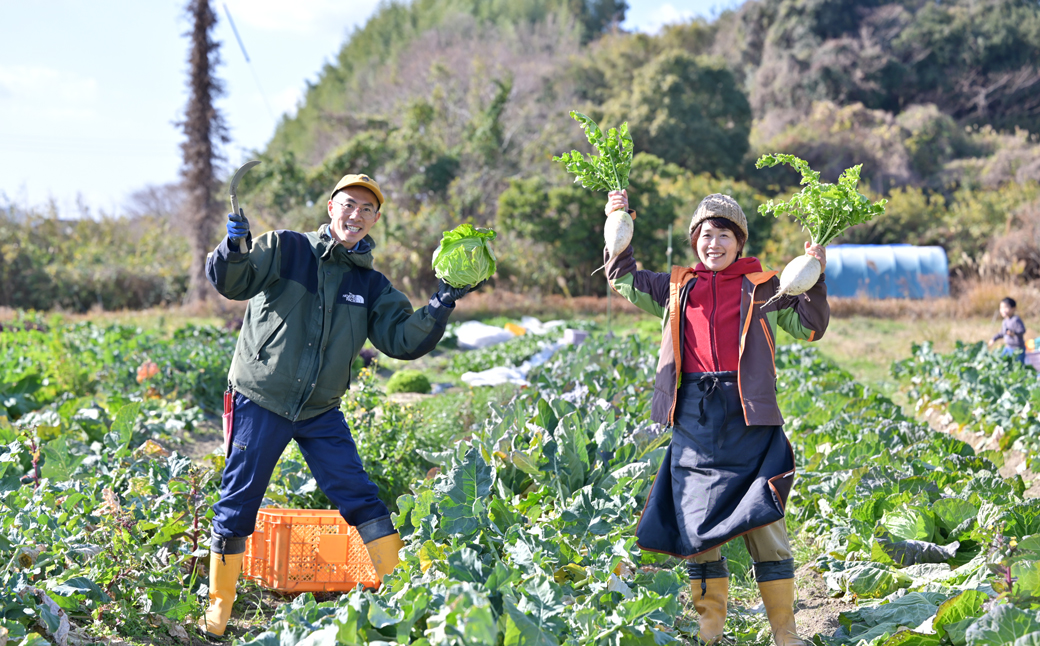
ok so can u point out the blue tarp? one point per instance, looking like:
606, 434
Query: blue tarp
887, 271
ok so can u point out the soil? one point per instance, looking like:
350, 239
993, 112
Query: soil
816, 612
201, 442
1014, 461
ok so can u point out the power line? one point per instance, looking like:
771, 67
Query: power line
249, 63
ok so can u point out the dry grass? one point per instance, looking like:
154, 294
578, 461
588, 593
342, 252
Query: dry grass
973, 299
217, 311
866, 346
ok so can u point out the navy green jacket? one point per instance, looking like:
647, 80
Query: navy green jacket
312, 305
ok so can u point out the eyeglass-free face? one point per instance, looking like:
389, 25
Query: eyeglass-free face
353, 212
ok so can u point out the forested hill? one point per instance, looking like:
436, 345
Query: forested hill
458, 106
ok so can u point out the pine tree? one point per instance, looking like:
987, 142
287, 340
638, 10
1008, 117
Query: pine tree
204, 130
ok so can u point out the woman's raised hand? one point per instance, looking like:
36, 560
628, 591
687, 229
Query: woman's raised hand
616, 201
817, 252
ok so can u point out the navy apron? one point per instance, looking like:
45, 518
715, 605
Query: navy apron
720, 478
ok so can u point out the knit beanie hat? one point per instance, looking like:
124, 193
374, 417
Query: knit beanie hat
722, 206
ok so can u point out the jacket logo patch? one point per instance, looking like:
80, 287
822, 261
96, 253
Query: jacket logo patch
357, 299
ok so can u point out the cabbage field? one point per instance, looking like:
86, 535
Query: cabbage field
524, 531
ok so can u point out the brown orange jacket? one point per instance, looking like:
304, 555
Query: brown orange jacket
804, 317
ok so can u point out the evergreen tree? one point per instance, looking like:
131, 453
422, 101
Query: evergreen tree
204, 130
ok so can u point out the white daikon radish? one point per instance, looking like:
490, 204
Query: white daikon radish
617, 232
797, 277
607, 171
825, 210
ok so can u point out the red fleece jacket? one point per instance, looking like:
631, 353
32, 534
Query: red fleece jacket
711, 337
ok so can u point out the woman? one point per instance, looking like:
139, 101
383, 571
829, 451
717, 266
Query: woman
729, 468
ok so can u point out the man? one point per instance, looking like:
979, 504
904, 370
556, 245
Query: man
313, 301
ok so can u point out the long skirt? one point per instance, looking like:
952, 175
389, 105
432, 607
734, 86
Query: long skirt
720, 477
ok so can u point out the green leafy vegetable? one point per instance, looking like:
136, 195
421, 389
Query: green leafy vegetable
1003, 624
609, 170
464, 256
825, 210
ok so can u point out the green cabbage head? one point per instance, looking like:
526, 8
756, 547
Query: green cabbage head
464, 257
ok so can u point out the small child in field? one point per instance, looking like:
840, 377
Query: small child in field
1012, 330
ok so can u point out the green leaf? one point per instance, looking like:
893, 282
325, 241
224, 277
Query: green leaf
414, 603
951, 512
965, 605
522, 631
1022, 519
1027, 580
81, 587
502, 576
466, 484
908, 611
545, 416
1000, 626
503, 515
960, 410
59, 464
870, 581
910, 638
378, 617
631, 610
911, 523
123, 425
909, 552
541, 602
465, 565
168, 605
825, 210
609, 171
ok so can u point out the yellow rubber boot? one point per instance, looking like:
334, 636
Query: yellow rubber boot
383, 552
223, 577
711, 606
778, 598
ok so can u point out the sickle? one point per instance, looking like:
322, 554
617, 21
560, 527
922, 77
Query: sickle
236, 211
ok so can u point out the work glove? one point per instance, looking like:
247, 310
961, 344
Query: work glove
447, 295
237, 227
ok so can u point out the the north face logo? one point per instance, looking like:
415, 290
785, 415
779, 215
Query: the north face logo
354, 298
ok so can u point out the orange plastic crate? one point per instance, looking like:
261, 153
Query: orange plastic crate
307, 550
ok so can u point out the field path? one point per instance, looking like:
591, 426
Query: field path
1014, 461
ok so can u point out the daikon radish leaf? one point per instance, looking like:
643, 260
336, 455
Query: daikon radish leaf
825, 210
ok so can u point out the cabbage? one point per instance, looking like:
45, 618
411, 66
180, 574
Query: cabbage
464, 257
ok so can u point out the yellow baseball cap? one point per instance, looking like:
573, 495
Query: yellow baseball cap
360, 180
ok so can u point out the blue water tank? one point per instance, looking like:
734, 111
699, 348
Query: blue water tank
887, 271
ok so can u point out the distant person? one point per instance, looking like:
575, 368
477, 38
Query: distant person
314, 300
1013, 330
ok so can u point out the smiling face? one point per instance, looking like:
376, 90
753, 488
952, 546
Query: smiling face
717, 247
353, 210
1006, 310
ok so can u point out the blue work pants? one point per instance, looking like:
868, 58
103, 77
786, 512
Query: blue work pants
258, 439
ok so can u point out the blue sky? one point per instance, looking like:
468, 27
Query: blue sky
90, 91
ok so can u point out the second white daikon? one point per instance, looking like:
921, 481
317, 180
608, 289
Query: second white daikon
824, 210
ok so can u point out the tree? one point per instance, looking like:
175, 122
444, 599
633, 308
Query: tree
568, 220
204, 130
979, 62
597, 16
688, 110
